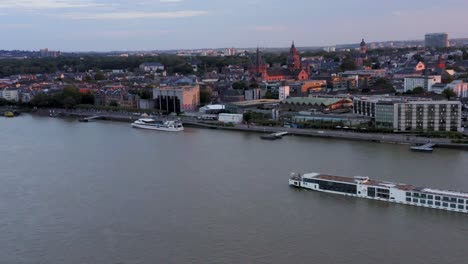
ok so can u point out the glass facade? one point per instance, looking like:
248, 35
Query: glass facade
384, 115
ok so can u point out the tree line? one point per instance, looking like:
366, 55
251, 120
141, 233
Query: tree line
68, 98
173, 63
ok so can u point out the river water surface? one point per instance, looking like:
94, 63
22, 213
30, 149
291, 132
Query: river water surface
103, 192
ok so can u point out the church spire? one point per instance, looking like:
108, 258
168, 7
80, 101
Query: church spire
294, 61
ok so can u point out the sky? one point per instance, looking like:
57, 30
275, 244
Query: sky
131, 25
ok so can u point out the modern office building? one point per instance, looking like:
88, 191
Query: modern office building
410, 114
437, 40
428, 116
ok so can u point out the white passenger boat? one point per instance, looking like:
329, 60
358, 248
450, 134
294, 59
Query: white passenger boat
147, 123
363, 187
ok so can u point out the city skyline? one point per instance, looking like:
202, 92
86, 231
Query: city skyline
103, 25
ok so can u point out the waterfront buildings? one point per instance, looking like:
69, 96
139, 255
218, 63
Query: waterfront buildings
410, 114
315, 103
437, 40
176, 99
428, 116
10, 94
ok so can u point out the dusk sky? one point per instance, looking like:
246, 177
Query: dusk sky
103, 25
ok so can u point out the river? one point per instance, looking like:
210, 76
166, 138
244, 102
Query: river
102, 192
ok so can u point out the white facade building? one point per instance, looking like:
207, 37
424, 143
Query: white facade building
151, 67
425, 82
10, 94
284, 92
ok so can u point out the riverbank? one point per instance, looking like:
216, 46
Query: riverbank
330, 134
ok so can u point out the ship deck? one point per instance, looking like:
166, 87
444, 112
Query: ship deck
400, 186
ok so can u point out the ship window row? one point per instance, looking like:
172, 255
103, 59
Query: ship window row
436, 197
338, 187
380, 193
310, 181
447, 205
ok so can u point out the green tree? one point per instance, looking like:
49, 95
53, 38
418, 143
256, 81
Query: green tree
88, 78
383, 83
3, 102
247, 117
41, 100
146, 94
205, 96
269, 95
449, 93
239, 85
254, 85
113, 103
418, 58
99, 76
418, 90
348, 64
87, 98
69, 102
447, 78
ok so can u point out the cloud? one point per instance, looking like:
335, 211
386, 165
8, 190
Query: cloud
133, 15
171, 1
47, 4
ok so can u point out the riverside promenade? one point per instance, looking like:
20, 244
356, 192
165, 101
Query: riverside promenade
388, 138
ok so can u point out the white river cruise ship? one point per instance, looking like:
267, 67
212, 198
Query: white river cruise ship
364, 187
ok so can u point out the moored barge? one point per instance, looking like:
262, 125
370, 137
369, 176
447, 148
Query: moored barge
364, 187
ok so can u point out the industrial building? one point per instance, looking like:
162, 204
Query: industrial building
176, 99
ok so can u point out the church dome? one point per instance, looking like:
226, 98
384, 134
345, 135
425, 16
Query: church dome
363, 43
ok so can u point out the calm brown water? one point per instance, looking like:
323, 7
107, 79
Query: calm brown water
105, 193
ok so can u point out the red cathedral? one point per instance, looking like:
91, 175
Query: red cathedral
261, 71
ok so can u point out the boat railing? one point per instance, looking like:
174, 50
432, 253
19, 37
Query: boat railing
361, 179
295, 176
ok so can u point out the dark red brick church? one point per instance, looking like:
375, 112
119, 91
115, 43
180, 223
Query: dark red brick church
261, 71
